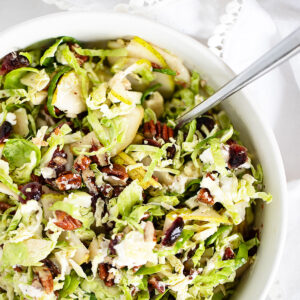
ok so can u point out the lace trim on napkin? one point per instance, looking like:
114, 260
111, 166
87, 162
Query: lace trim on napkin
227, 21
133, 6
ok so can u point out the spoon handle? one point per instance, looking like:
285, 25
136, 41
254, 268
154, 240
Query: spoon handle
284, 50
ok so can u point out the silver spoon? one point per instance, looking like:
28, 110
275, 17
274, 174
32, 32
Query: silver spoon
284, 50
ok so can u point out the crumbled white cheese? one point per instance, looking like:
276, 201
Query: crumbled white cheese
134, 251
207, 158
31, 291
10, 117
48, 172
178, 185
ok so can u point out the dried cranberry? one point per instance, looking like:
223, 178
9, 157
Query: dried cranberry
113, 243
228, 254
208, 122
237, 155
171, 151
13, 61
174, 232
5, 131
32, 191
58, 161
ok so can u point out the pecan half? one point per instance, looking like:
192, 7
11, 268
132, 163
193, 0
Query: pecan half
228, 254
58, 161
68, 181
157, 284
52, 266
158, 130
104, 275
66, 221
45, 278
205, 196
116, 174
81, 163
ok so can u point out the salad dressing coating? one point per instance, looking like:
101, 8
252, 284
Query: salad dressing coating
100, 196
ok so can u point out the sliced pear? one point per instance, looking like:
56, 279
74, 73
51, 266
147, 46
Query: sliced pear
82, 253
21, 126
67, 96
132, 121
176, 64
156, 103
167, 84
138, 47
203, 213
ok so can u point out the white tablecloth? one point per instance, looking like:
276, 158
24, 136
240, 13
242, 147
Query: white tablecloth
247, 29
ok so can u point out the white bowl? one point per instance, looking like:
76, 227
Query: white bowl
255, 132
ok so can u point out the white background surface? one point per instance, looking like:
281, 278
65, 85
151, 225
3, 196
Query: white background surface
261, 24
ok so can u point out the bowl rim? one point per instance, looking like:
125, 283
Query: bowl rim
222, 65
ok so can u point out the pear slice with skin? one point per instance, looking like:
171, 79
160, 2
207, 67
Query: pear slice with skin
175, 64
68, 97
138, 47
133, 121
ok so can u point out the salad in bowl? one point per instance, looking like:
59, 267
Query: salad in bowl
101, 197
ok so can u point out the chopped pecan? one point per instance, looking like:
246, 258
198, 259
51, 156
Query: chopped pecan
66, 221
58, 161
68, 181
101, 159
52, 266
80, 58
116, 174
118, 190
228, 254
5, 131
18, 268
205, 196
89, 179
157, 284
152, 142
106, 191
104, 274
45, 278
4, 206
13, 61
237, 155
81, 163
158, 130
